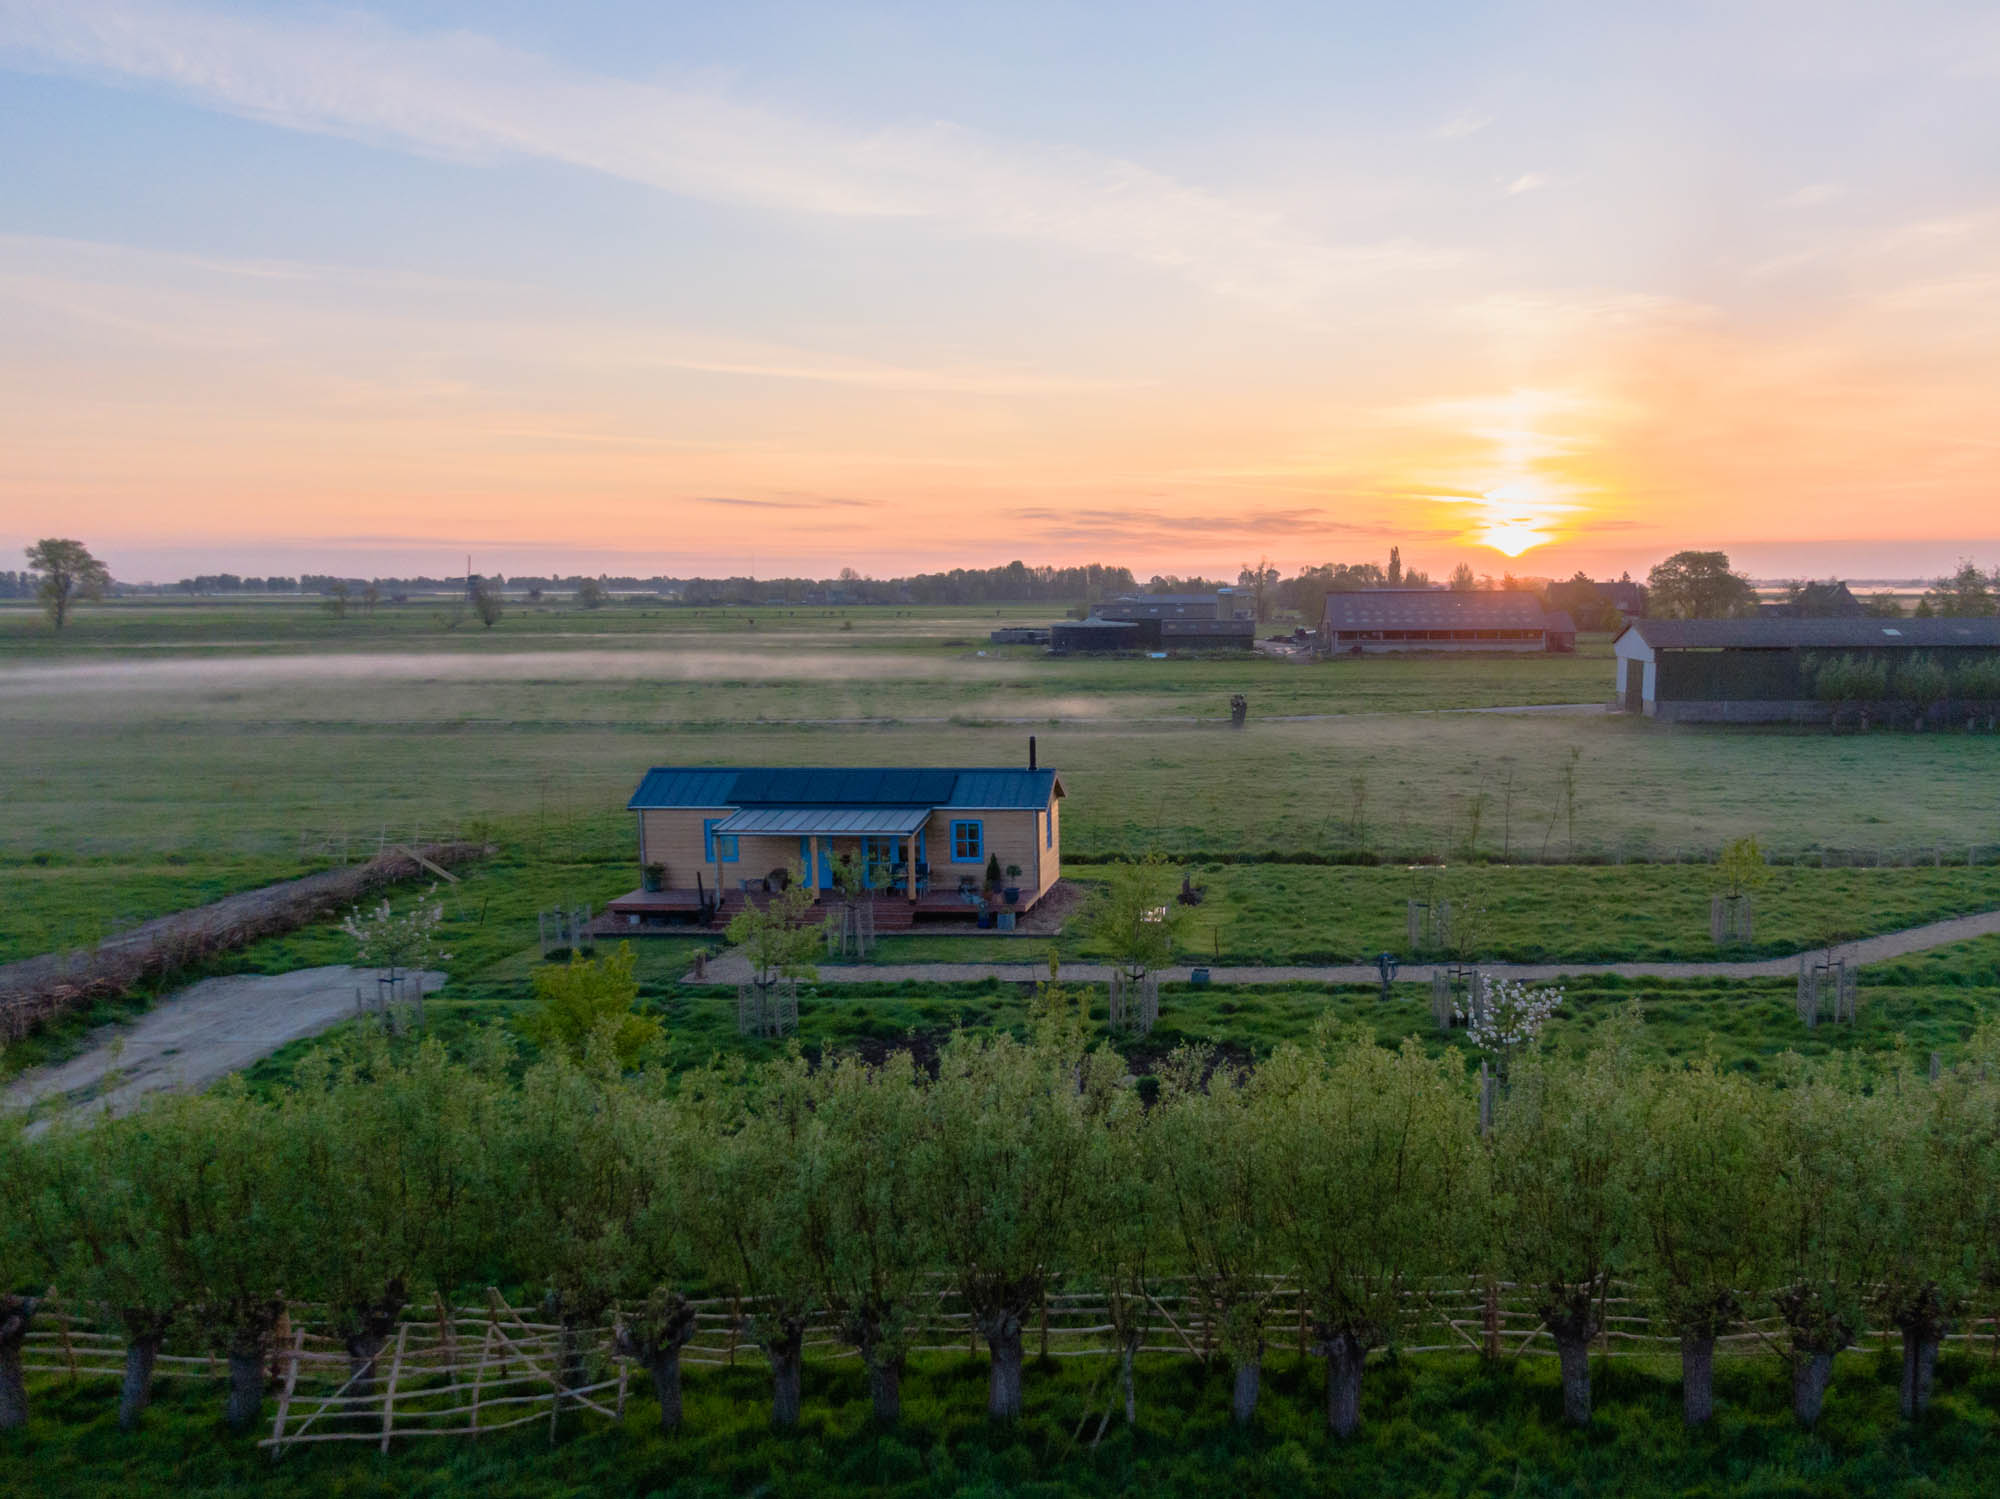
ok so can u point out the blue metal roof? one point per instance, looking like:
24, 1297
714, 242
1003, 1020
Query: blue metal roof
895, 822
851, 786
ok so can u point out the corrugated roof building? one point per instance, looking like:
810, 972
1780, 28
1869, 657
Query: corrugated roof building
1374, 620
1767, 670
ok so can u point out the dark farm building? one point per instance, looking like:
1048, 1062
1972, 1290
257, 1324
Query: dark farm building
1183, 621
1480, 621
1767, 670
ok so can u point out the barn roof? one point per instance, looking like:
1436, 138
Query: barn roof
1558, 622
845, 786
1769, 634
1433, 609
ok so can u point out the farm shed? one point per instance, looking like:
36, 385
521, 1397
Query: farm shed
710, 836
1371, 621
1184, 621
1767, 670
1066, 636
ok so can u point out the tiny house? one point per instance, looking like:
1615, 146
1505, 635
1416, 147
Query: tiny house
920, 840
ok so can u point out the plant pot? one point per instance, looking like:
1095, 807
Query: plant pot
1011, 895
1005, 919
985, 921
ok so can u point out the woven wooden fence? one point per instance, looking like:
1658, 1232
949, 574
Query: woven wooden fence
464, 1371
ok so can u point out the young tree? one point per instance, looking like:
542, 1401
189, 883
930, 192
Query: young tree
1463, 579
1002, 1162
231, 1227
591, 998
1127, 1235
1698, 1184
1135, 920
758, 1212
393, 1162
779, 937
1562, 1138
577, 1183
867, 1228
1940, 1244
1211, 1150
1698, 585
1833, 1148
590, 593
1377, 1181
64, 573
672, 1141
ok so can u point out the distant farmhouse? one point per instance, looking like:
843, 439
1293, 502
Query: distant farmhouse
1184, 621
1158, 622
1373, 621
1767, 670
1599, 606
710, 837
1817, 601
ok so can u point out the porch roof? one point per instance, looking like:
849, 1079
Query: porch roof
806, 822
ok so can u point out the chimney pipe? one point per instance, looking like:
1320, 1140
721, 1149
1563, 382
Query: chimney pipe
1031, 752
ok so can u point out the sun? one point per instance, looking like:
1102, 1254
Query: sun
1513, 535
1518, 515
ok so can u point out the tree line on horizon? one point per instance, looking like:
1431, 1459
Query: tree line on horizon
1687, 585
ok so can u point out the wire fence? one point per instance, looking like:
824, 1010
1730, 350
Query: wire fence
468, 1370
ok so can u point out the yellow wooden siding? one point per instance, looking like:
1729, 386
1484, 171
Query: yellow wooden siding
673, 836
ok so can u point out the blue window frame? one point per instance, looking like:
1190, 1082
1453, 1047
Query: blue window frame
968, 841
1049, 839
717, 846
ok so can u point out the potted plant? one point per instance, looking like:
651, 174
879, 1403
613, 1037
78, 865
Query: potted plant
1012, 893
654, 878
992, 877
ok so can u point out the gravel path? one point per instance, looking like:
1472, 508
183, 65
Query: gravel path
733, 968
191, 1038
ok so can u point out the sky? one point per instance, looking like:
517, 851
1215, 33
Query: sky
639, 287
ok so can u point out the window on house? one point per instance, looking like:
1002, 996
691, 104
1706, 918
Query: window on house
968, 842
717, 846
1050, 837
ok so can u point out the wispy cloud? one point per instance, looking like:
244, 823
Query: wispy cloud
1465, 122
813, 503
1812, 195
1527, 182
467, 97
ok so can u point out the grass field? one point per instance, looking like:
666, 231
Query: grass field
1432, 1426
220, 732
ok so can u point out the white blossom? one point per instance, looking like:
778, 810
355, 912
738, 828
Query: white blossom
384, 939
1513, 1016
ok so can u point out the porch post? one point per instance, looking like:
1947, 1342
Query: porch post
819, 867
910, 864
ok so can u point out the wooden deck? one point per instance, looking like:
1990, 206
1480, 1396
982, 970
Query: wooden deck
664, 913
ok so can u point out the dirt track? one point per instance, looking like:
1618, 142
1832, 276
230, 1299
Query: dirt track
192, 1038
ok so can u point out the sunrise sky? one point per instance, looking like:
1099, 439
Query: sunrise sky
724, 287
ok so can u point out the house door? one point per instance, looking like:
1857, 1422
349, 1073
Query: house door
1635, 685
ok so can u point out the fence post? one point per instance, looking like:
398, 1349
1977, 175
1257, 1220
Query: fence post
389, 1395
1492, 1349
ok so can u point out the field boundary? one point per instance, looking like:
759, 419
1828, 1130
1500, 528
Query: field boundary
35, 991
733, 968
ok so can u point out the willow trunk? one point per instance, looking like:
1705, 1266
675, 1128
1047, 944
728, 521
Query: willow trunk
1243, 1394
786, 1352
16, 1312
1812, 1372
136, 1393
1003, 1380
1697, 1378
1344, 1359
